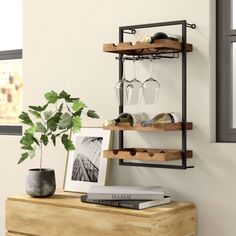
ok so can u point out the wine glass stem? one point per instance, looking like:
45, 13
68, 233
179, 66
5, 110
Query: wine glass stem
134, 68
150, 69
123, 76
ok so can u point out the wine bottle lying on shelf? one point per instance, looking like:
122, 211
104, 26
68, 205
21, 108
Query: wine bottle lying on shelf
132, 119
160, 35
161, 118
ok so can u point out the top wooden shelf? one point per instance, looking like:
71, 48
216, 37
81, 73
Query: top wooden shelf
159, 46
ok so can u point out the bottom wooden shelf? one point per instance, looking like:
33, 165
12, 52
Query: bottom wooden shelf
146, 154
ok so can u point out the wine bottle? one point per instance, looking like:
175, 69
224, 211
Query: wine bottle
161, 118
159, 35
132, 119
124, 118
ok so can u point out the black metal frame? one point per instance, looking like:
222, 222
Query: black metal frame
11, 129
131, 30
225, 36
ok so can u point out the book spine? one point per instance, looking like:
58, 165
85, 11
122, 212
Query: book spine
110, 203
100, 196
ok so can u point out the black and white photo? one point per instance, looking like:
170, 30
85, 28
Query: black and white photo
87, 159
86, 165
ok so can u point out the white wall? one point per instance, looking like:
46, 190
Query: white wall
63, 50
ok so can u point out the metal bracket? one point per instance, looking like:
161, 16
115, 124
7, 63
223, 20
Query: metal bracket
153, 56
192, 26
129, 31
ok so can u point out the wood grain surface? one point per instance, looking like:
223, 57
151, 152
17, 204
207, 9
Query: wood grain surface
65, 215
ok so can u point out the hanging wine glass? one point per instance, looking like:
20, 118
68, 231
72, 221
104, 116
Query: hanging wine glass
135, 92
151, 87
123, 89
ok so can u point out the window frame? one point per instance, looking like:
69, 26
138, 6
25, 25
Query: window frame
11, 129
225, 36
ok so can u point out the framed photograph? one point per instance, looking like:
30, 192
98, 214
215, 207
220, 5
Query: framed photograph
86, 166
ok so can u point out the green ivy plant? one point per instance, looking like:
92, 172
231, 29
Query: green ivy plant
57, 118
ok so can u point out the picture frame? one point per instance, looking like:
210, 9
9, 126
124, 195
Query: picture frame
85, 165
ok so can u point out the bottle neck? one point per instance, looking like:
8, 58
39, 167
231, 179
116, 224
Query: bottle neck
145, 123
117, 120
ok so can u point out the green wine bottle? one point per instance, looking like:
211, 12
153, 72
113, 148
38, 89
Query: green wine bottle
132, 119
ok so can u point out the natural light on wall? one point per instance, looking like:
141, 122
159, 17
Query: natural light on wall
10, 69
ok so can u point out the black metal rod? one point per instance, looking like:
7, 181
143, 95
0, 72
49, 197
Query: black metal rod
154, 165
156, 56
169, 23
184, 95
121, 108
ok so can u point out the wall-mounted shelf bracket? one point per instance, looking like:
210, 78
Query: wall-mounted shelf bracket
167, 49
129, 31
192, 26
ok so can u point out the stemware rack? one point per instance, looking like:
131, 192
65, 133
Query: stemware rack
161, 48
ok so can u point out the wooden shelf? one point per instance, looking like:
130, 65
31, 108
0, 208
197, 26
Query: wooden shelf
146, 154
153, 128
162, 46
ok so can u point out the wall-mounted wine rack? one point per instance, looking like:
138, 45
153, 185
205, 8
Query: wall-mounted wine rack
161, 48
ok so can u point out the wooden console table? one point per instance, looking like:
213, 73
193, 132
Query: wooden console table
64, 215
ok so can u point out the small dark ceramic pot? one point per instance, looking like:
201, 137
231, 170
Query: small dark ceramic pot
40, 183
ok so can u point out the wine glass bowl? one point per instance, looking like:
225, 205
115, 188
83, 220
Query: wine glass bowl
136, 91
123, 89
151, 88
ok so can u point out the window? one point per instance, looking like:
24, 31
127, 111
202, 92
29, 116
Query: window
10, 66
226, 71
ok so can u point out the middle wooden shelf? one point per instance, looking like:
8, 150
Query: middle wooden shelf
155, 128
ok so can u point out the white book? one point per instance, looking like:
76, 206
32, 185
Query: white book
125, 193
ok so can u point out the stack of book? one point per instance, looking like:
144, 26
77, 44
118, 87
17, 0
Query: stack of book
126, 196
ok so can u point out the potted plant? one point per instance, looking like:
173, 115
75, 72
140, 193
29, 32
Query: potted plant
56, 119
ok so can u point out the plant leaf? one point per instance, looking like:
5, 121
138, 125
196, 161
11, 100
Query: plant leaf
23, 157
44, 139
40, 128
78, 105
53, 138
47, 114
31, 153
64, 95
51, 97
60, 108
57, 117
67, 142
27, 147
31, 130
52, 124
39, 108
77, 113
72, 99
35, 114
27, 139
36, 141
25, 118
65, 121
92, 114
76, 124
